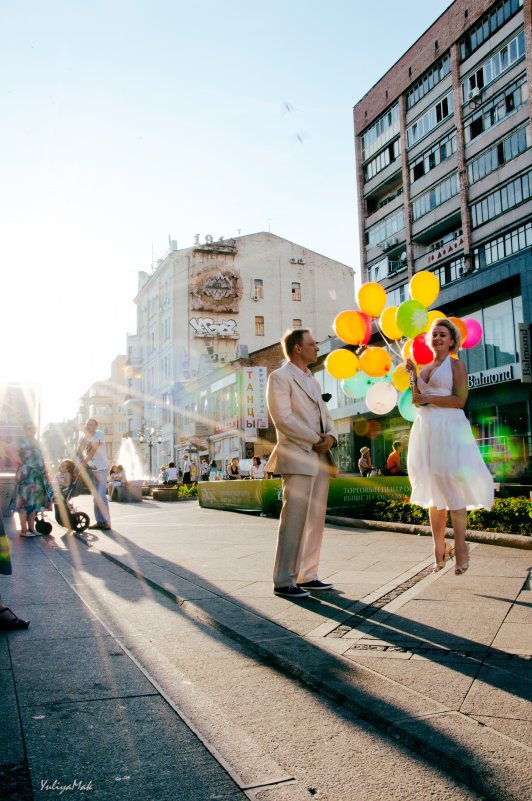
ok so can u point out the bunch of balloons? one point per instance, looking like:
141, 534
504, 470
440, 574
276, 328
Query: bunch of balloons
371, 373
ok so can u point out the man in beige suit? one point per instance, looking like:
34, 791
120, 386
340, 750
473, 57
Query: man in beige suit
305, 436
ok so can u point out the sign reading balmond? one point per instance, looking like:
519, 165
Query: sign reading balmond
497, 375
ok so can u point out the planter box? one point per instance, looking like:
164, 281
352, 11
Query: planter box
7, 491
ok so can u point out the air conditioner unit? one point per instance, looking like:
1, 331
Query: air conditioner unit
293, 261
474, 94
301, 261
390, 243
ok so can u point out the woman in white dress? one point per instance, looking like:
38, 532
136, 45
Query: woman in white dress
445, 466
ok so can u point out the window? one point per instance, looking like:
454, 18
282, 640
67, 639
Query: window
428, 81
431, 158
435, 196
378, 134
505, 197
502, 246
500, 153
259, 326
506, 102
494, 66
296, 323
452, 271
429, 120
296, 290
258, 289
383, 233
387, 156
396, 296
487, 26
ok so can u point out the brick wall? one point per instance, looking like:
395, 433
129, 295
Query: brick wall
449, 27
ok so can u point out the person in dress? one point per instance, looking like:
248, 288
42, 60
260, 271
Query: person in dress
445, 466
233, 469
33, 491
256, 470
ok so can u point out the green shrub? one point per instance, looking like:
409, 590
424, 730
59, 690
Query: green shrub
190, 491
509, 515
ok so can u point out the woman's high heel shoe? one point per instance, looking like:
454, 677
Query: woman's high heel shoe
461, 569
448, 554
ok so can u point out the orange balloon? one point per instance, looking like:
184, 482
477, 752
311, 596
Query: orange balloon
341, 364
351, 327
461, 327
434, 315
375, 362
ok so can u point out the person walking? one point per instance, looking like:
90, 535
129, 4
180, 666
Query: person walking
93, 455
33, 491
185, 467
446, 469
302, 455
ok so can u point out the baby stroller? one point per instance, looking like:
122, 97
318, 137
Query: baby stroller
65, 512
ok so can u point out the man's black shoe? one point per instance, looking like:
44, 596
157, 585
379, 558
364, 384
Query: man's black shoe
316, 585
290, 592
101, 526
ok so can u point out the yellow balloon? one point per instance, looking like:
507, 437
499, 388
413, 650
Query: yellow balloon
352, 327
388, 325
406, 350
341, 364
371, 298
434, 315
375, 362
401, 378
424, 286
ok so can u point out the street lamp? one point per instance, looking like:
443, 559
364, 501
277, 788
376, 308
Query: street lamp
150, 437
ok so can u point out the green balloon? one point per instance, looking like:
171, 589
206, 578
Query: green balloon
412, 318
406, 407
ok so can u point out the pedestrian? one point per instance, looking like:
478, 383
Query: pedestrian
33, 491
213, 470
8, 619
204, 469
185, 467
446, 469
257, 468
233, 469
302, 455
162, 478
171, 475
394, 466
364, 463
93, 453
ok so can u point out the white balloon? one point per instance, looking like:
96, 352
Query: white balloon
381, 398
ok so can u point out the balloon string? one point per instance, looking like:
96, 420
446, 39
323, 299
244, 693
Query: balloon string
391, 343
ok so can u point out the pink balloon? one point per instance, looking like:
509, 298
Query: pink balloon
474, 332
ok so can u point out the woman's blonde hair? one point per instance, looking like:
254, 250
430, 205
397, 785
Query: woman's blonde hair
453, 331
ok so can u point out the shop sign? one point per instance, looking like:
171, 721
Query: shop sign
255, 408
525, 351
497, 375
207, 327
229, 424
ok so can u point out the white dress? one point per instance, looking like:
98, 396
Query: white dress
445, 467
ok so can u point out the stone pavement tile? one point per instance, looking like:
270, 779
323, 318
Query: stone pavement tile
116, 745
519, 730
85, 668
498, 768
449, 624
227, 615
503, 692
446, 683
5, 661
497, 564
514, 637
451, 587
34, 587
361, 687
11, 743
521, 611
49, 621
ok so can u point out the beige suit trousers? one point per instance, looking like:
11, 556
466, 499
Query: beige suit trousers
301, 526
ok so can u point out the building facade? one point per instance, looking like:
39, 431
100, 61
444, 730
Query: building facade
205, 308
444, 179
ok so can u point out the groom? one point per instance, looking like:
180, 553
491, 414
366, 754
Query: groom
305, 436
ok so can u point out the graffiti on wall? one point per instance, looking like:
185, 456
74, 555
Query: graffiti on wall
207, 327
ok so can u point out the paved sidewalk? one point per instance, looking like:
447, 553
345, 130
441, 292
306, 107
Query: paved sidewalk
442, 663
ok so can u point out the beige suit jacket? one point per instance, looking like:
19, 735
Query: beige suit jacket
296, 416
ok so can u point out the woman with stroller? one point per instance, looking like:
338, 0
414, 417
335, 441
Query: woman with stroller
33, 490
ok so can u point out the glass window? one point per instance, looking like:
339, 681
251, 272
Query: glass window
296, 323
259, 326
296, 291
499, 337
258, 288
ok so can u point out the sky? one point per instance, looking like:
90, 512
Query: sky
124, 123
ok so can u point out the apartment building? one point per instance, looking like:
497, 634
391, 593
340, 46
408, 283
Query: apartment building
204, 307
444, 180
